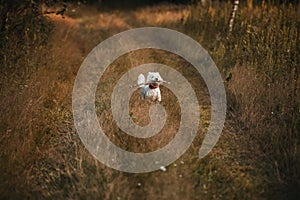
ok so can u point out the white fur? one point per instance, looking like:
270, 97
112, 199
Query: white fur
141, 79
146, 92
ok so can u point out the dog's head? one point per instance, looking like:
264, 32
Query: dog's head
153, 77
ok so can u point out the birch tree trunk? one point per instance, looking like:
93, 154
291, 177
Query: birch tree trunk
233, 14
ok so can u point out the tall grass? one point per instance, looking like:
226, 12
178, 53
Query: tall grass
260, 60
42, 156
24, 34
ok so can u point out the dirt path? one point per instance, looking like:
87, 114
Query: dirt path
61, 166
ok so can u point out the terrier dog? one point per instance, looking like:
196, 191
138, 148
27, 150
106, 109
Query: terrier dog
150, 87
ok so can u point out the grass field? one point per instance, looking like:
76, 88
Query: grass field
257, 156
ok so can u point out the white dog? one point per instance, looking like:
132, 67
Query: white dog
150, 87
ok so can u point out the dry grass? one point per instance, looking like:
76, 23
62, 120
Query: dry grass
261, 61
42, 156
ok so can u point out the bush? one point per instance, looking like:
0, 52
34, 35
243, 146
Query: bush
24, 33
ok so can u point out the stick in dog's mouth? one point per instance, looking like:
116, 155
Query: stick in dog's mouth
150, 82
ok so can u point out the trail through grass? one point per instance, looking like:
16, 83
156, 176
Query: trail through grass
43, 157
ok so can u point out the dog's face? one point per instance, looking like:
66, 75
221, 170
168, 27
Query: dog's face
153, 76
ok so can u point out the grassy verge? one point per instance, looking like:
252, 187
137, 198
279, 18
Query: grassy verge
260, 60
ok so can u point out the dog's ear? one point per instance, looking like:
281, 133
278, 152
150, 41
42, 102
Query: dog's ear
149, 76
159, 76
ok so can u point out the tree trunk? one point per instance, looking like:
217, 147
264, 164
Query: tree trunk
233, 14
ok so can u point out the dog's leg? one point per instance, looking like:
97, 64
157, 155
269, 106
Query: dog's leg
143, 92
159, 95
